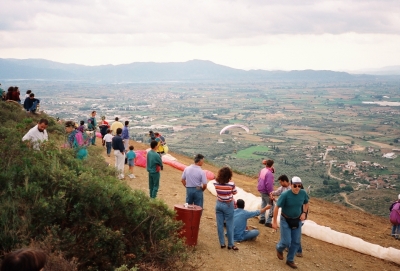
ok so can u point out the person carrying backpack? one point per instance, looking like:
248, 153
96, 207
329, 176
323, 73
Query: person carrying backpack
92, 126
77, 140
395, 218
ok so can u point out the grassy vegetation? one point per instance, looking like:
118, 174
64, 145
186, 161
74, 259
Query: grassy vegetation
253, 152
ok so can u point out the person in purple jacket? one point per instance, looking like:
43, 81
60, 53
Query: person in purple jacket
265, 186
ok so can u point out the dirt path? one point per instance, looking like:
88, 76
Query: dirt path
349, 203
330, 174
261, 254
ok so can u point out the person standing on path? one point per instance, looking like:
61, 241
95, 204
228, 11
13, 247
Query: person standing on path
265, 186
108, 140
294, 204
154, 165
116, 124
125, 136
195, 181
285, 185
119, 152
395, 217
104, 126
131, 156
224, 207
92, 126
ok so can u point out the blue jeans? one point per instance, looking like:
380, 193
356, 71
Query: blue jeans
194, 196
224, 212
108, 145
248, 235
33, 107
94, 138
396, 231
264, 202
290, 238
271, 211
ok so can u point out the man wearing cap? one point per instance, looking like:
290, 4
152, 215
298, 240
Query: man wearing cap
240, 216
294, 204
195, 181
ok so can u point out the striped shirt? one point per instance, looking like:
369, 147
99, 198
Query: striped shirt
225, 192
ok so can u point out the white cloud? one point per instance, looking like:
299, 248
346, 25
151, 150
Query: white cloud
241, 33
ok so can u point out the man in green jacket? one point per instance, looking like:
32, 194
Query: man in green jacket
154, 165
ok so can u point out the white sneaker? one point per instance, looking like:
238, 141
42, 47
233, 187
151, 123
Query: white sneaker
131, 176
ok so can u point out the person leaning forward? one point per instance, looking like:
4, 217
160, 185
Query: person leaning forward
294, 204
195, 181
38, 134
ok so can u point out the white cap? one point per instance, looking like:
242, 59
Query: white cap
296, 179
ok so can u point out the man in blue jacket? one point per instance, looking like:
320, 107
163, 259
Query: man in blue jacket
240, 230
119, 152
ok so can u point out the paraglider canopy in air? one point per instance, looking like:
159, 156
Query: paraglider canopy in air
233, 126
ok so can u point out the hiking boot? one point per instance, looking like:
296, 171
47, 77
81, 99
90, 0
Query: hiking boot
298, 254
262, 221
291, 264
269, 225
279, 255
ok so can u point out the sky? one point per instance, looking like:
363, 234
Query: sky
338, 35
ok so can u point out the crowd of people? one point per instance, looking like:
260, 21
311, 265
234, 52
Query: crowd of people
293, 200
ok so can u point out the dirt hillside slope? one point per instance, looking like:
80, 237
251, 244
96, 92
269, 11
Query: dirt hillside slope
261, 254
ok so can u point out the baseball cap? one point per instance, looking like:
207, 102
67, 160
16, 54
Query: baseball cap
296, 179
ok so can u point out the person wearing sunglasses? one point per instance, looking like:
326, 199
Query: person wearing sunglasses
294, 204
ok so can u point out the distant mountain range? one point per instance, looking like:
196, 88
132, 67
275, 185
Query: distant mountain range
190, 71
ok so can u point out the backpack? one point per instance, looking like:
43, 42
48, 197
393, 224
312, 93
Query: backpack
162, 140
395, 214
90, 123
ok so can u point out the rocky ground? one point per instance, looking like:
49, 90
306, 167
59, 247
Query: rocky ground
261, 254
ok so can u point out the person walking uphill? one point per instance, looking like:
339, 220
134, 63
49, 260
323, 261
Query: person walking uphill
154, 165
294, 204
224, 207
195, 181
265, 186
92, 126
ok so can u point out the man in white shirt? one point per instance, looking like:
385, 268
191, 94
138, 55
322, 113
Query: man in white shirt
37, 134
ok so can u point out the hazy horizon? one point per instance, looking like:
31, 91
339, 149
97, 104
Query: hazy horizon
243, 34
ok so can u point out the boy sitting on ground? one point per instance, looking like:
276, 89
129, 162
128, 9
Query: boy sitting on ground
31, 103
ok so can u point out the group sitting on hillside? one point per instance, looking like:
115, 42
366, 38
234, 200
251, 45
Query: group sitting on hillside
30, 103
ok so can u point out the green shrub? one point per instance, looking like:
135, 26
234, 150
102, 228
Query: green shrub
78, 207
